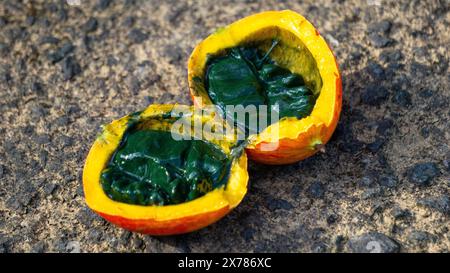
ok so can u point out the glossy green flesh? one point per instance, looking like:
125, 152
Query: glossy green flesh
244, 76
151, 168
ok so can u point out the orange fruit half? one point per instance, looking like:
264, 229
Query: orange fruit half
301, 50
166, 219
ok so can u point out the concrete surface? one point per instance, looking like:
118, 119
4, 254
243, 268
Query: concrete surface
382, 185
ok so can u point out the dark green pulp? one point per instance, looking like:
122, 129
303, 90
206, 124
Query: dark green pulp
152, 168
246, 76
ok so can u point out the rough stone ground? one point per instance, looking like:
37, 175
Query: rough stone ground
385, 178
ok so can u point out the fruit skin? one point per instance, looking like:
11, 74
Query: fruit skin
296, 139
170, 227
157, 220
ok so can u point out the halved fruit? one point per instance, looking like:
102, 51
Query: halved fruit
128, 199
298, 49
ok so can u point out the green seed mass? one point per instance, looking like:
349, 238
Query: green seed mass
150, 167
245, 76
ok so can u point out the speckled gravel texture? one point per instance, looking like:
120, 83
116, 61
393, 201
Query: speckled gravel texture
383, 183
